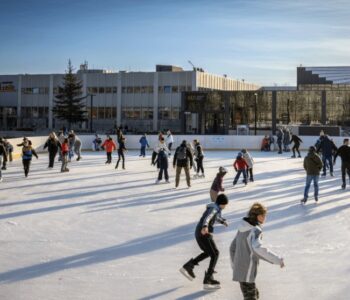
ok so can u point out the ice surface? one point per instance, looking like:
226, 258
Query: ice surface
101, 233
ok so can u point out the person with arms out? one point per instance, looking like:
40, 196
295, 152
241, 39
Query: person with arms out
27, 153
247, 249
205, 240
344, 153
53, 145
183, 160
297, 141
313, 166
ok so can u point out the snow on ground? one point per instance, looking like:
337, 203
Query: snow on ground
100, 233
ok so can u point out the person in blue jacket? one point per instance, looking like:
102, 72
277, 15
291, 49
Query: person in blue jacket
328, 148
144, 143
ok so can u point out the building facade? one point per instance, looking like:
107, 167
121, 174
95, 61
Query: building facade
142, 101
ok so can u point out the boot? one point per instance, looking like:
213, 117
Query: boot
187, 270
209, 281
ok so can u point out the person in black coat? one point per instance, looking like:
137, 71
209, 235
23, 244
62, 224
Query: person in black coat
121, 150
53, 145
3, 154
296, 146
183, 159
344, 153
162, 161
279, 134
327, 147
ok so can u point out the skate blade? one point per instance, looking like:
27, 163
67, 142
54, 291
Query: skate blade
210, 287
184, 273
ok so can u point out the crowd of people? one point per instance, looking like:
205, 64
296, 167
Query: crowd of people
246, 248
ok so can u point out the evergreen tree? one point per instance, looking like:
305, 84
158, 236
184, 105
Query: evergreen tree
69, 104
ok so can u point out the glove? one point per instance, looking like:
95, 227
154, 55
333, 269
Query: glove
236, 169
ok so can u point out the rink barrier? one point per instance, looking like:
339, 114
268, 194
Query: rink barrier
209, 142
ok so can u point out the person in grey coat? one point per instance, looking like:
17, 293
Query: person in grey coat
247, 249
286, 140
74, 143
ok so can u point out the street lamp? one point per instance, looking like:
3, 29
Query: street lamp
91, 105
255, 112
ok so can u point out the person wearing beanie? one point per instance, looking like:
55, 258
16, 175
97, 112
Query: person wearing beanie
240, 167
313, 166
109, 145
216, 186
183, 159
247, 249
204, 237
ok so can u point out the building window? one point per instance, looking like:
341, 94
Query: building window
161, 89
175, 89
143, 89
94, 90
150, 89
167, 89
101, 90
147, 113
108, 90
115, 90
175, 113
182, 88
130, 89
101, 112
164, 113
137, 90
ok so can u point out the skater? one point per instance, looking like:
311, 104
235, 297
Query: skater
199, 156
143, 141
109, 146
247, 249
217, 186
344, 153
97, 142
169, 141
75, 145
183, 158
156, 147
204, 237
163, 163
61, 139
327, 147
53, 146
279, 135
240, 167
297, 141
27, 153
3, 155
64, 155
121, 150
25, 139
250, 162
9, 149
313, 166
265, 143
286, 139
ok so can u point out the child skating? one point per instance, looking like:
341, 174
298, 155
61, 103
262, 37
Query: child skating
250, 162
246, 250
204, 236
27, 154
217, 186
109, 146
240, 167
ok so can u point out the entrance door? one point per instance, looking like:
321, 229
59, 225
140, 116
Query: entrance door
214, 123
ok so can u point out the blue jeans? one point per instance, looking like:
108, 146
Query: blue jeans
143, 151
239, 172
309, 179
330, 163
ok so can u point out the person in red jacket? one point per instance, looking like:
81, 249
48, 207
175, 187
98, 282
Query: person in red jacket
109, 146
65, 151
240, 166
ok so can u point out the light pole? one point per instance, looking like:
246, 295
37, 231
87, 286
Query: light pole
91, 106
255, 111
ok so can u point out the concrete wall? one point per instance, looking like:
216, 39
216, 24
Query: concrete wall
209, 142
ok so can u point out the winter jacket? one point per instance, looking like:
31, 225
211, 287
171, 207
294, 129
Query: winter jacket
296, 140
279, 136
326, 146
161, 146
286, 137
162, 159
169, 139
52, 145
183, 162
199, 150
312, 164
248, 159
109, 145
3, 151
344, 153
217, 183
240, 164
121, 148
246, 250
64, 148
209, 217
144, 142
28, 152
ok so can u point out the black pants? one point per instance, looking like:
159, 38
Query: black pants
169, 146
250, 170
249, 290
296, 147
207, 244
52, 155
199, 161
345, 168
120, 156
279, 147
26, 166
154, 155
161, 171
109, 157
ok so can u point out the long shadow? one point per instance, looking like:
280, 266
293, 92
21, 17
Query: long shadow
195, 295
151, 297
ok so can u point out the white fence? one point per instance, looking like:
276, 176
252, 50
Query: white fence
209, 142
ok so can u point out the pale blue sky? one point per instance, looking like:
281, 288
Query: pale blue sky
260, 41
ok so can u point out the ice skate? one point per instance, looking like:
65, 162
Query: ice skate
210, 283
187, 270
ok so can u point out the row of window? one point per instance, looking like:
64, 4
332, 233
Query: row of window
36, 91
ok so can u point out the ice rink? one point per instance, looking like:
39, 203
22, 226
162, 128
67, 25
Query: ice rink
100, 233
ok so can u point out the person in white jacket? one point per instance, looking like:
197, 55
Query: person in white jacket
169, 140
250, 162
247, 249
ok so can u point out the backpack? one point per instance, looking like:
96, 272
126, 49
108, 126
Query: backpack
161, 154
182, 153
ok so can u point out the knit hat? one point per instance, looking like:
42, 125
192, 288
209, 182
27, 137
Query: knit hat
223, 170
239, 154
222, 199
312, 149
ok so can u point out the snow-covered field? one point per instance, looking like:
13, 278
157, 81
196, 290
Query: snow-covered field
100, 233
